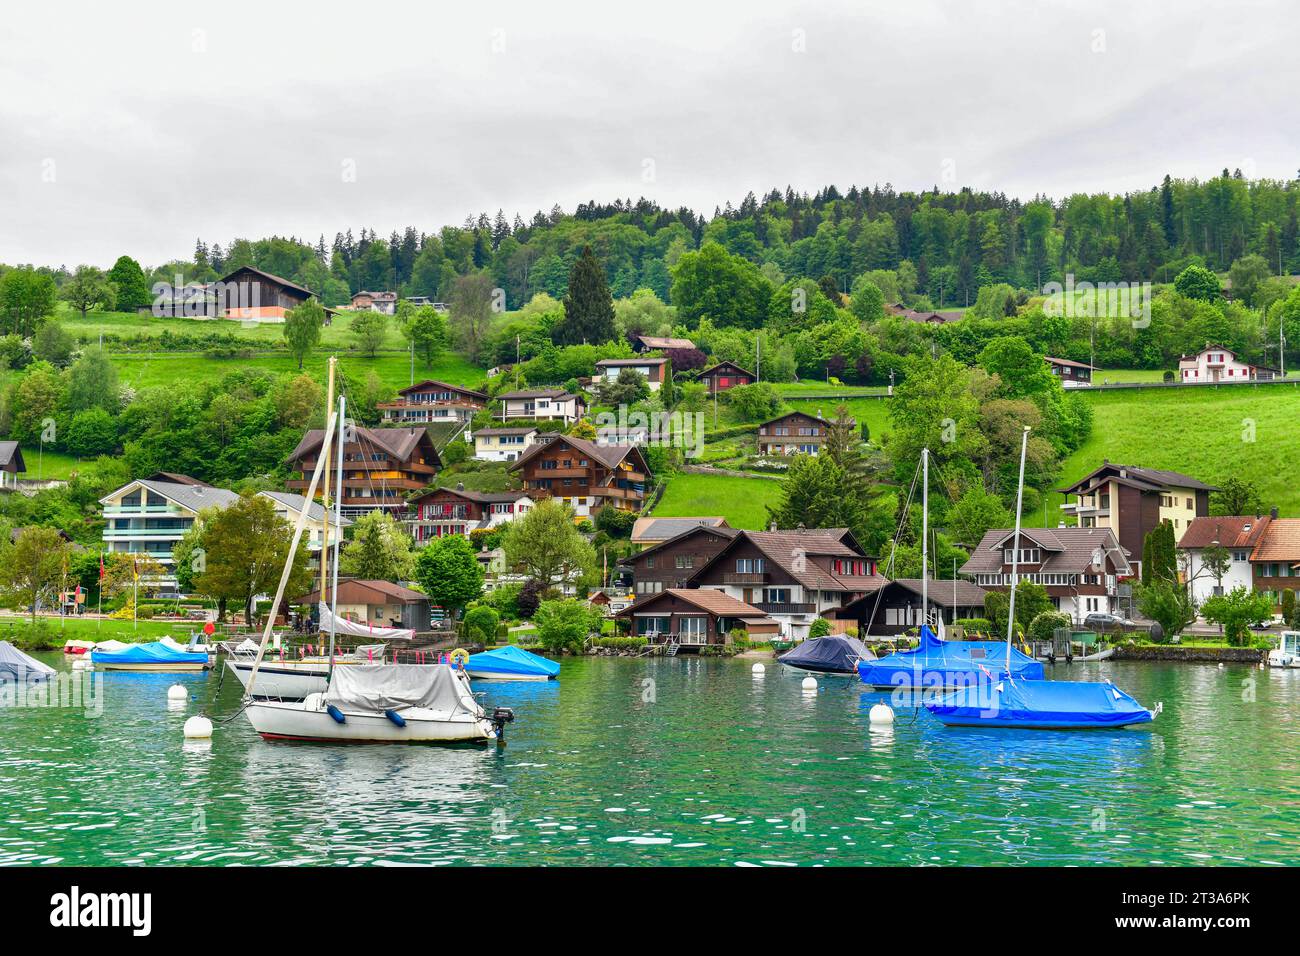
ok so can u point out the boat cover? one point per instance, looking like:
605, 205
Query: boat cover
379, 687
359, 629
154, 653
939, 663
511, 660
833, 654
1043, 704
111, 646
17, 666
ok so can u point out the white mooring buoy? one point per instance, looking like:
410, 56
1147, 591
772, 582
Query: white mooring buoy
758, 670
177, 692
881, 714
809, 683
198, 728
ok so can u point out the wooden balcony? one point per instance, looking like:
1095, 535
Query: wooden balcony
769, 608
760, 577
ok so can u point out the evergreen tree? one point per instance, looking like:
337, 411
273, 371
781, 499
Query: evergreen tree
588, 306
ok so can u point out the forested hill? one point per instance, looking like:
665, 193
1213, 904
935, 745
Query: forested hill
953, 243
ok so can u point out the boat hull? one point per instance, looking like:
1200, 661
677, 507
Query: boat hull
490, 675
303, 722
281, 682
152, 668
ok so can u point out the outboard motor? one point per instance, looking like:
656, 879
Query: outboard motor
500, 717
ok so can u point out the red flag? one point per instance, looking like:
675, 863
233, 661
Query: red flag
101, 565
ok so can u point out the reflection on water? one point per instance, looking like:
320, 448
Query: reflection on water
684, 761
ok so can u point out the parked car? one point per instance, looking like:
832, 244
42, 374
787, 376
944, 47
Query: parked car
1107, 623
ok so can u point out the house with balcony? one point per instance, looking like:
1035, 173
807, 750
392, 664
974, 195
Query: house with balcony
542, 404
1275, 560
1216, 365
650, 531
724, 376
149, 516
897, 606
795, 433
672, 562
382, 302
251, 295
1071, 373
585, 476
447, 511
381, 467
793, 576
1132, 500
654, 370
695, 617
432, 401
1080, 568
1237, 536
503, 444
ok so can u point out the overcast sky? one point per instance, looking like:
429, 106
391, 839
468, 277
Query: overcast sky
137, 127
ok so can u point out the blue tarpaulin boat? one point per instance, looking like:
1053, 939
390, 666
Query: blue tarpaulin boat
157, 657
937, 663
832, 654
1040, 705
511, 663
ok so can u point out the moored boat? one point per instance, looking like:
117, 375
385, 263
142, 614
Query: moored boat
833, 655
1287, 652
21, 668
384, 703
77, 647
511, 663
1040, 705
155, 657
936, 664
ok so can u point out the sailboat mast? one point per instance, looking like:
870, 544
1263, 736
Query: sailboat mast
925, 534
1015, 544
338, 523
325, 494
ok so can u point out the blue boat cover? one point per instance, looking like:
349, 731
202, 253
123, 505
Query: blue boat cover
511, 660
1040, 704
155, 653
833, 654
939, 663
17, 666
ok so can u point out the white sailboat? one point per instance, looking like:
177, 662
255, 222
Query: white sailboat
365, 703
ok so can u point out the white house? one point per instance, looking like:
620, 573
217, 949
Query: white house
149, 516
542, 403
503, 444
1215, 364
1237, 535
288, 506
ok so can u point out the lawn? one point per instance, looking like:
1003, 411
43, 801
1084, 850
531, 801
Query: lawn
815, 388
1209, 433
129, 324
48, 464
99, 629
742, 501
161, 368
873, 411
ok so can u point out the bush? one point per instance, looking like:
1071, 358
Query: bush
34, 637
455, 452
620, 643
565, 625
481, 623
739, 637
820, 628
755, 403
981, 625
616, 523
1044, 625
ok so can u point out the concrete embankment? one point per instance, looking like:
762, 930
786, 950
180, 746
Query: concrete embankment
1191, 655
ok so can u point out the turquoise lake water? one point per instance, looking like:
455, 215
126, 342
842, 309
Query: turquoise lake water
676, 761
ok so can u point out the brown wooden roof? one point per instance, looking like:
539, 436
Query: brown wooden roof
1231, 531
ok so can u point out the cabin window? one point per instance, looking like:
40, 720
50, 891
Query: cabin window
749, 565
685, 561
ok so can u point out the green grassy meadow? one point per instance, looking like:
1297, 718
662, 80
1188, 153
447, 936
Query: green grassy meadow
142, 370
1206, 433
742, 501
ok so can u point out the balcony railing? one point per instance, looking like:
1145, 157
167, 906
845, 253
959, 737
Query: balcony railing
786, 608
759, 577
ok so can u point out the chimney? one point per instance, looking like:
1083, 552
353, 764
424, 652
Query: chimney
801, 529
1272, 512
771, 526
460, 486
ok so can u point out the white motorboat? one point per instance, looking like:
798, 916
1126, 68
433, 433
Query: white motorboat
384, 703
1287, 653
